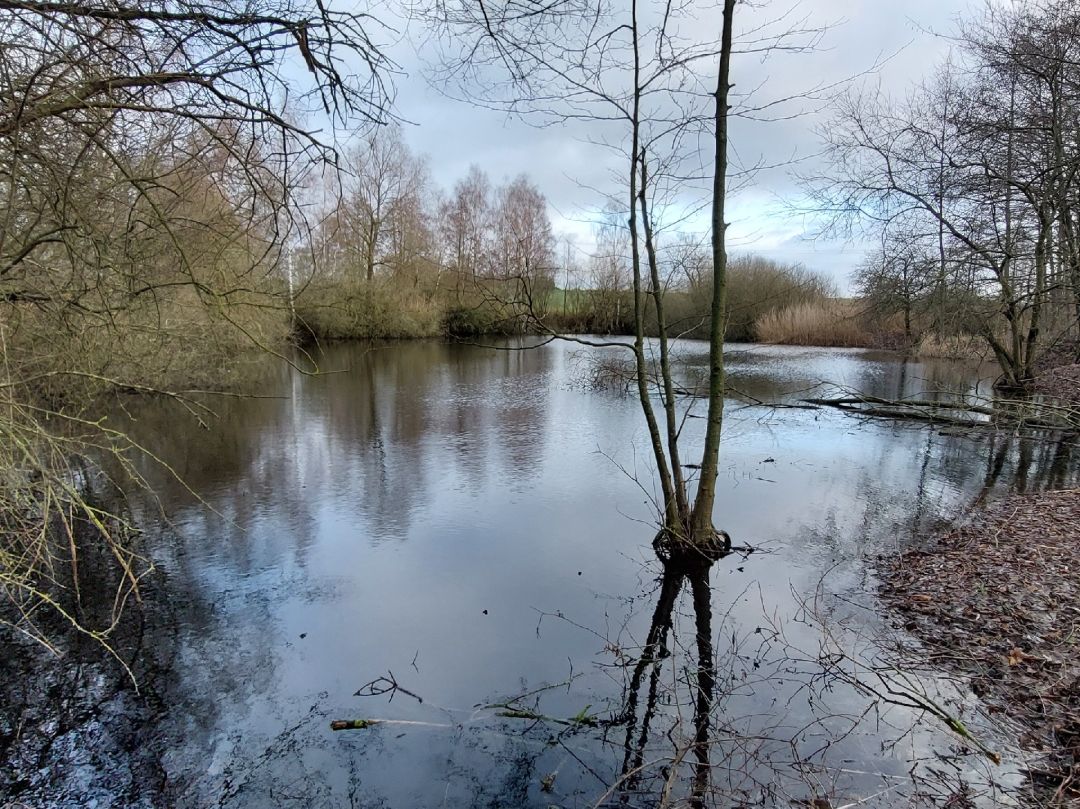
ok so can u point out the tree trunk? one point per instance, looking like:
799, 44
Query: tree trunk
682, 506
671, 516
701, 521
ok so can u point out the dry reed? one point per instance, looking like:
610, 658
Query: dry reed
832, 322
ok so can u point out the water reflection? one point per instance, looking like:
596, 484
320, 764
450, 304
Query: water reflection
419, 510
657, 650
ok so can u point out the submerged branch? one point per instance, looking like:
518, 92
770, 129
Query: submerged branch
945, 412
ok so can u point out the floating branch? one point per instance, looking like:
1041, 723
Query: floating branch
353, 724
582, 719
364, 724
386, 685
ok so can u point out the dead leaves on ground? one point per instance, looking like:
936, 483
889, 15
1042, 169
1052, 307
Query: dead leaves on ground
998, 600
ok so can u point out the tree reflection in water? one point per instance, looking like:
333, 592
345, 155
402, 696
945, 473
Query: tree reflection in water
701, 714
381, 510
759, 722
677, 575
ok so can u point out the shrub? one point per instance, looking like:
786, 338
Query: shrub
755, 287
471, 321
366, 310
952, 347
174, 341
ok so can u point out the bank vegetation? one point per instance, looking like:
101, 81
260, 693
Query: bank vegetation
149, 176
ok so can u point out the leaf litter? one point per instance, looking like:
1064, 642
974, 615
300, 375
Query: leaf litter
997, 600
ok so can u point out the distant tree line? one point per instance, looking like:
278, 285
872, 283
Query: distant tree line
387, 236
756, 286
393, 254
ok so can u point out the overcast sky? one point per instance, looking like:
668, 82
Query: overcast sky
567, 167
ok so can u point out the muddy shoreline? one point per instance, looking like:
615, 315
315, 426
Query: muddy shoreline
74, 729
997, 601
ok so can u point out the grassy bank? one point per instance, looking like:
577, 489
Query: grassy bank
383, 309
766, 302
766, 313
359, 311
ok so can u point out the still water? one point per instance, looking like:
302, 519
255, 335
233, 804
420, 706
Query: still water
478, 522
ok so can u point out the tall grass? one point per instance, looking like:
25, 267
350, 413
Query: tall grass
830, 322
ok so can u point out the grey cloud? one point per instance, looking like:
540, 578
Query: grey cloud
569, 169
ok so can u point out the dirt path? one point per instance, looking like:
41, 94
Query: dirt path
998, 600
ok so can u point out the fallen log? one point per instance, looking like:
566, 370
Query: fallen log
942, 412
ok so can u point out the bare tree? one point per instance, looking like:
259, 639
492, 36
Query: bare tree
1034, 49
524, 241
382, 180
636, 71
564, 54
149, 156
609, 272
981, 159
465, 225
900, 278
413, 255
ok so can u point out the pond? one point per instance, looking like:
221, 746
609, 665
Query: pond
475, 525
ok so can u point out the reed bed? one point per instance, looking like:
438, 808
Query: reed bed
832, 322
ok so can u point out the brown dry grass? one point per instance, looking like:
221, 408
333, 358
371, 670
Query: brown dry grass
833, 322
1061, 383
